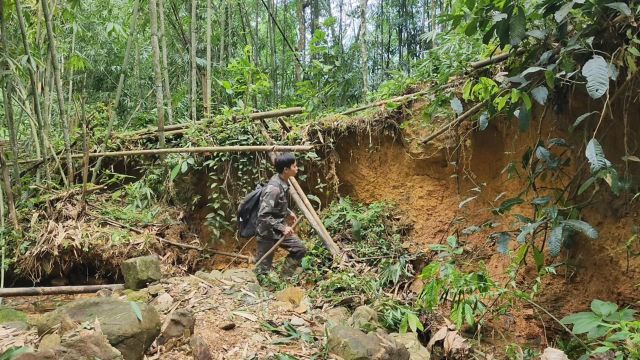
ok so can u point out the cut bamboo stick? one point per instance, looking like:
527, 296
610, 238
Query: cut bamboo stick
57, 290
322, 231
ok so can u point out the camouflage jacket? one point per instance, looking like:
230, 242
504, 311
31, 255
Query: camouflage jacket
274, 208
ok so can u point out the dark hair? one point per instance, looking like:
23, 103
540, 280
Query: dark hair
284, 160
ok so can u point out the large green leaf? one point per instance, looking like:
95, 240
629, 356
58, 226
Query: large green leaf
620, 6
456, 105
595, 155
517, 26
580, 119
564, 11
483, 122
583, 322
583, 227
540, 94
596, 71
603, 308
524, 118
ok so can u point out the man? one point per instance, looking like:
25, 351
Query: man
274, 217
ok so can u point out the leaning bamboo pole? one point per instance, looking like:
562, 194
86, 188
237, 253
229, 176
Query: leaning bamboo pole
322, 231
57, 290
454, 122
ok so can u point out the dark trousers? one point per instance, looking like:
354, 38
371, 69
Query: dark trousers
292, 244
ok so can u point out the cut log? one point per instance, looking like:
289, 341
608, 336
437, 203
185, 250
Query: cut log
57, 290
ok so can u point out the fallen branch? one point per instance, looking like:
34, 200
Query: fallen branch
455, 122
74, 191
57, 290
163, 240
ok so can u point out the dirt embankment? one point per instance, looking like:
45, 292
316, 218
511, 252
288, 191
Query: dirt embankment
428, 187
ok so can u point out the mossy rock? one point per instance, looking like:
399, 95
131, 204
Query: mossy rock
141, 296
11, 315
140, 271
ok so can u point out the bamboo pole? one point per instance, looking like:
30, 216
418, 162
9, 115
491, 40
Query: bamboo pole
57, 290
384, 102
324, 234
195, 150
255, 116
456, 121
275, 246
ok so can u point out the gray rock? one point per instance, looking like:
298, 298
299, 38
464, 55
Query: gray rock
336, 316
140, 271
181, 324
93, 345
209, 277
200, 349
163, 302
353, 344
413, 345
364, 318
117, 319
240, 276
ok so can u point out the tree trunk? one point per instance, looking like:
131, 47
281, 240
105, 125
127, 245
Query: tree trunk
271, 32
32, 79
58, 83
301, 38
207, 78
155, 49
125, 66
165, 64
222, 33
73, 50
7, 95
362, 35
192, 51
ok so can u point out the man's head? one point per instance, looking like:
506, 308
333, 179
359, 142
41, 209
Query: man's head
286, 164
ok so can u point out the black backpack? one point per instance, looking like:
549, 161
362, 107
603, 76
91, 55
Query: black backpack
248, 212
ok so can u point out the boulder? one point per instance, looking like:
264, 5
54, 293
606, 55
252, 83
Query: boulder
180, 324
364, 318
416, 350
87, 345
140, 271
353, 344
8, 315
117, 319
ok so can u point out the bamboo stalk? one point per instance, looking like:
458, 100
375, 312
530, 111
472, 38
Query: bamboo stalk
57, 290
85, 149
384, 102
